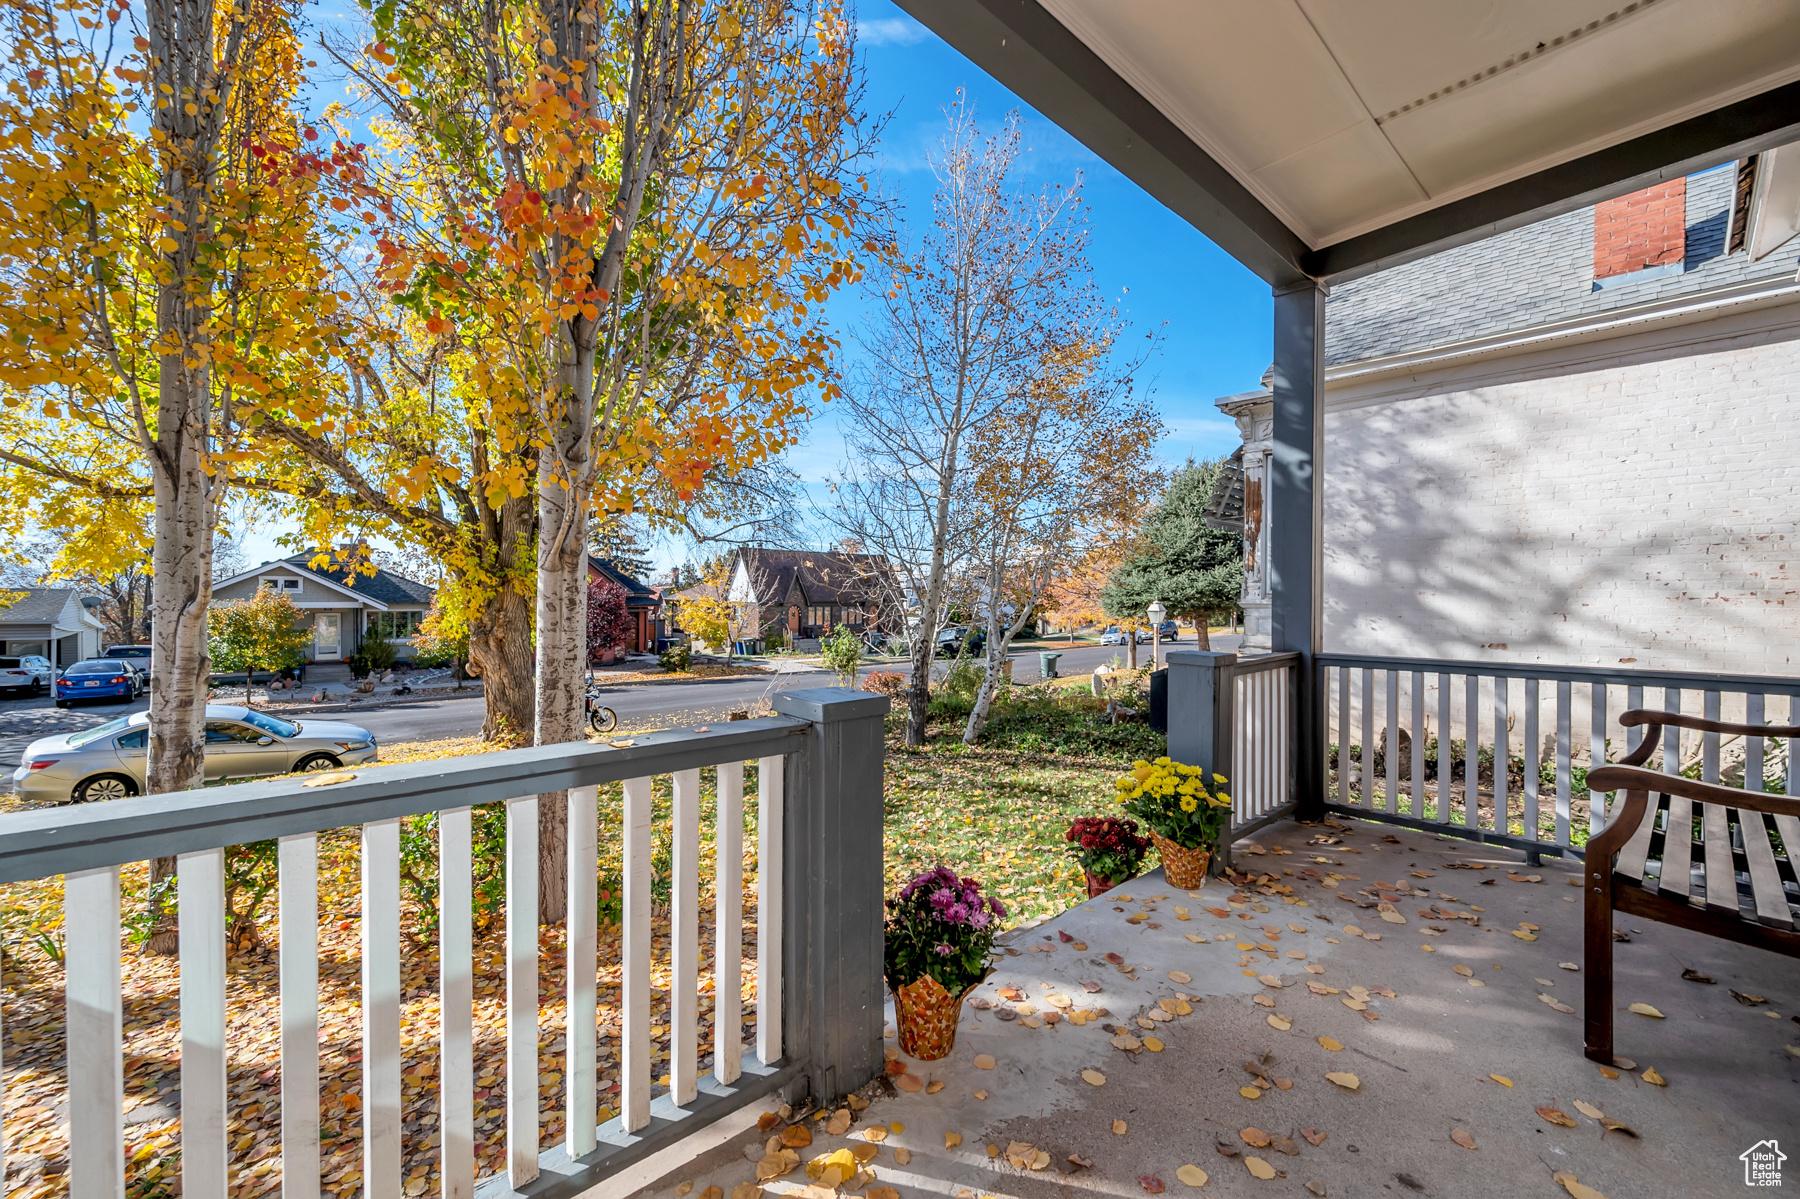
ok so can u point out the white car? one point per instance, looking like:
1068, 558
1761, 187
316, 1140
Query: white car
1114, 635
30, 673
107, 761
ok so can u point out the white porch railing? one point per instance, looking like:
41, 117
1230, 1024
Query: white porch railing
1237, 717
818, 996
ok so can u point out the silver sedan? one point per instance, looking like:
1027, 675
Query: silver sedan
107, 761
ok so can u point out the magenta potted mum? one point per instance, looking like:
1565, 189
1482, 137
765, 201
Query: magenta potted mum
939, 932
1109, 850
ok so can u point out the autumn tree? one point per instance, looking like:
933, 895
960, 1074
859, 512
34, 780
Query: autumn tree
264, 632
608, 617
965, 319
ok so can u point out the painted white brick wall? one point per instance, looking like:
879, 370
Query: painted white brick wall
1644, 507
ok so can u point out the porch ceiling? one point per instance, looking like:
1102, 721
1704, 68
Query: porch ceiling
1326, 138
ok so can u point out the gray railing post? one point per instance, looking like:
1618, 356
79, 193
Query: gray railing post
1200, 709
834, 883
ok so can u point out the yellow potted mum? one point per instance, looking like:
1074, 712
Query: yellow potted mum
1184, 817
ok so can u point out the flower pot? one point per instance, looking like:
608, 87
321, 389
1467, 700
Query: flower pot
1099, 886
1184, 868
925, 1015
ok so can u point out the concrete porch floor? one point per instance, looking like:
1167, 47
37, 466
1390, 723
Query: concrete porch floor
1423, 1064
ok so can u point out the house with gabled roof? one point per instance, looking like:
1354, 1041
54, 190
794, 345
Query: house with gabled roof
807, 593
643, 603
344, 605
52, 621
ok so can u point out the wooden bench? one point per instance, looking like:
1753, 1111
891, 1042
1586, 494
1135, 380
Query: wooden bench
1764, 917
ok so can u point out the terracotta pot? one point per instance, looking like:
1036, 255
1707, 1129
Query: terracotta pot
1099, 886
1184, 868
925, 1015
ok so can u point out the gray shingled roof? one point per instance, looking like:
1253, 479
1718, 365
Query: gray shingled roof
383, 586
1527, 277
39, 605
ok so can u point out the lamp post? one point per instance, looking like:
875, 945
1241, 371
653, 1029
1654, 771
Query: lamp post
1156, 613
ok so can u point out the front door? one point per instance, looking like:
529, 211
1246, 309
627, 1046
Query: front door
327, 636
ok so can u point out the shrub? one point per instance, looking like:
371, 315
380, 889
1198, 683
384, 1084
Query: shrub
608, 620
775, 639
842, 652
885, 682
677, 659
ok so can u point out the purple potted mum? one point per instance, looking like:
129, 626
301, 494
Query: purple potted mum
940, 930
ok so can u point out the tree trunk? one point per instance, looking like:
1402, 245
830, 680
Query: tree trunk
1205, 635
997, 643
562, 654
918, 692
500, 648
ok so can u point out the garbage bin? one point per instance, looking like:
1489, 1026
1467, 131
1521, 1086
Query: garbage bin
1047, 665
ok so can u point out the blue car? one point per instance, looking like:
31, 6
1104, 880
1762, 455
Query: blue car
102, 678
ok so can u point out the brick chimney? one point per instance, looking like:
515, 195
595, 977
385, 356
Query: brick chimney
1645, 229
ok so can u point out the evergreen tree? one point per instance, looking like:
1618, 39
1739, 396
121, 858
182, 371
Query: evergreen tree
1195, 570
615, 537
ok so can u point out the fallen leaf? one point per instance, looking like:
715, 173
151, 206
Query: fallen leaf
1463, 970
1747, 1000
1314, 1136
1557, 1116
934, 1086
1589, 1110
1393, 917
1330, 1043
1577, 1190
1348, 1081
1250, 1092
1653, 1078
882, 1193
1280, 1023
749, 1190
1284, 1084
1321, 989
1355, 1005
1118, 1128
1153, 1044
1255, 1137
1259, 1167
1115, 959
683, 1189
981, 1094
1180, 976
1611, 1125
1568, 966
984, 1061
1523, 935
767, 1120
1694, 976
902, 1155
1501, 1079
875, 1132
1093, 1078
1462, 1138
1609, 1072
1313, 968
1075, 1159
910, 1082
839, 1123
796, 1136
1793, 1050
1192, 1175
1317, 1188
1151, 1183
1270, 980
1262, 1000
1091, 988
1644, 1009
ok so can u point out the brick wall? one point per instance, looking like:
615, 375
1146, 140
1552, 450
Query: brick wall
1643, 508
1646, 228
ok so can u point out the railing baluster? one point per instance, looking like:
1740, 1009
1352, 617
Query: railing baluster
684, 938
1715, 823
1564, 706
1472, 751
456, 1002
1365, 763
200, 931
1392, 755
634, 997
728, 925
581, 1036
1597, 800
93, 1018
521, 991
1533, 756
771, 785
1344, 735
1502, 753
1444, 770
297, 883
381, 1008
1417, 807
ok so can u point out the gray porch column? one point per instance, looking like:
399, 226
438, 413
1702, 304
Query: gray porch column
1296, 520
832, 974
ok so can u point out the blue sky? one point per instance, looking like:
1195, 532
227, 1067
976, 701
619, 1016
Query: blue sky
1212, 316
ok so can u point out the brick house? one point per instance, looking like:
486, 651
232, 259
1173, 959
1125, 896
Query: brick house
807, 593
643, 604
1537, 445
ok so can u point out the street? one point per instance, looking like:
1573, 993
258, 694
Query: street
639, 705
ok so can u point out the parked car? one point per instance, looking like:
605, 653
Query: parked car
99, 678
1168, 630
958, 640
1112, 634
137, 655
107, 761
30, 673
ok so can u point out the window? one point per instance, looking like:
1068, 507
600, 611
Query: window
819, 616
271, 724
394, 626
136, 739
228, 732
99, 731
282, 584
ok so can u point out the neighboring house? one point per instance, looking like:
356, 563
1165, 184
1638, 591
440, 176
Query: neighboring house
643, 604
807, 593
52, 621
344, 606
1572, 443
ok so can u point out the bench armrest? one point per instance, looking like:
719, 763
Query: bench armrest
1650, 716
1636, 778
